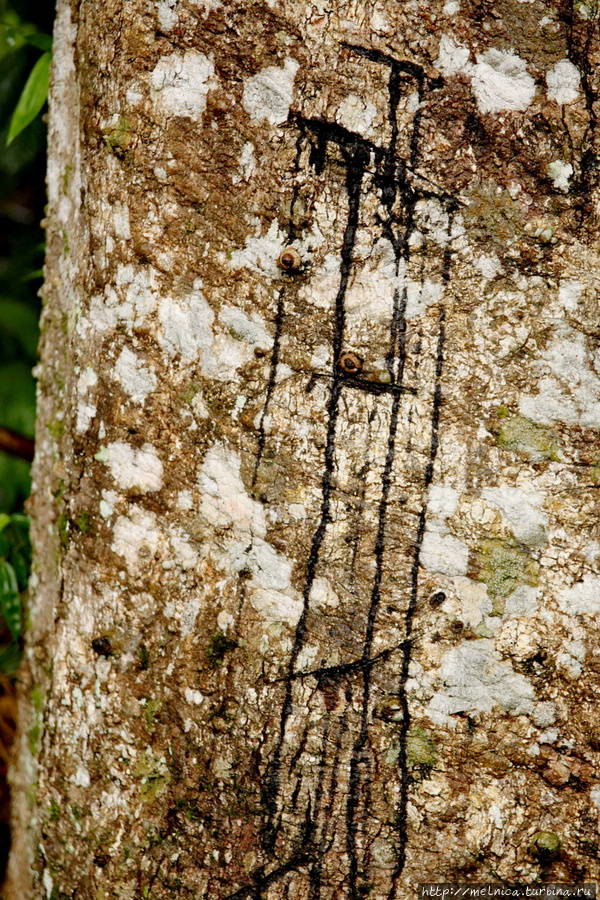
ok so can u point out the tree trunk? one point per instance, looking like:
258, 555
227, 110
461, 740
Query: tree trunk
315, 493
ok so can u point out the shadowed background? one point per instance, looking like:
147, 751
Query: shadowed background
22, 201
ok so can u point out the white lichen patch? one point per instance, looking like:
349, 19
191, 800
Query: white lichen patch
247, 165
444, 554
130, 300
225, 503
134, 94
136, 538
193, 696
572, 658
269, 568
88, 379
225, 621
185, 500
442, 501
82, 777
250, 329
85, 414
186, 326
85, 410
563, 82
136, 379
521, 511
475, 678
371, 295
452, 58
474, 603
140, 469
323, 284
523, 601
569, 390
268, 94
569, 294
583, 598
122, 227
560, 172
545, 714
189, 332
189, 614
167, 14
181, 82
357, 115
500, 81
276, 606
227, 506
421, 295
261, 252
322, 595
488, 265
108, 503
48, 883
184, 554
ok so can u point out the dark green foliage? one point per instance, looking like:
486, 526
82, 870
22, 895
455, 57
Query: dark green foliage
15, 562
33, 97
10, 602
25, 28
22, 198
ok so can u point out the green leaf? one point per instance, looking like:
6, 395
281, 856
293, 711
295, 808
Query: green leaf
33, 97
21, 322
10, 32
10, 658
22, 521
17, 398
14, 33
20, 564
10, 601
15, 482
8, 579
15, 546
40, 40
33, 275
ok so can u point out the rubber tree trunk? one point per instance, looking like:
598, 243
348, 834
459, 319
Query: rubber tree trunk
315, 603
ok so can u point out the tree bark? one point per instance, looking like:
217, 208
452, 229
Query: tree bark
317, 576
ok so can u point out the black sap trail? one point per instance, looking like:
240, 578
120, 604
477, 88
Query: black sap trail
298, 832
412, 606
279, 321
356, 159
393, 185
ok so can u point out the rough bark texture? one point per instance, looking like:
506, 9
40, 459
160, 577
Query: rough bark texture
318, 575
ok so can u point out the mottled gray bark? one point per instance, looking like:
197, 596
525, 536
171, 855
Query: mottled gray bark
317, 584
